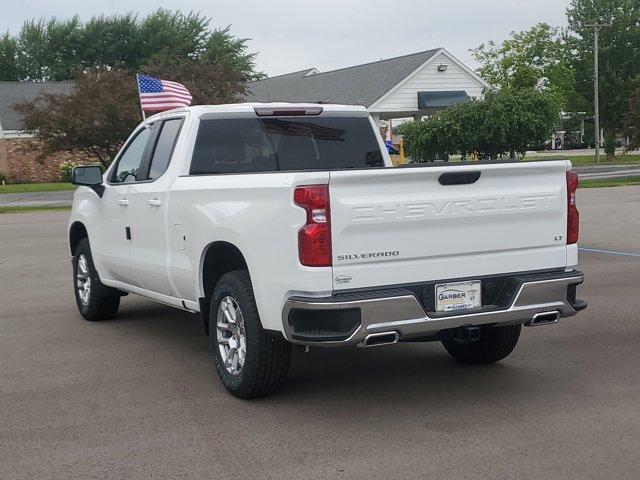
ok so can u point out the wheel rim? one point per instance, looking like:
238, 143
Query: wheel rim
230, 332
83, 280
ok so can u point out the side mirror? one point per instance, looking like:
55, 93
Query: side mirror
88, 176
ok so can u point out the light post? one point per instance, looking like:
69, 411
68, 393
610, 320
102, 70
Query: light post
596, 97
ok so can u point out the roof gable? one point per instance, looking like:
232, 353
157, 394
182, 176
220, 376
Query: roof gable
351, 85
456, 76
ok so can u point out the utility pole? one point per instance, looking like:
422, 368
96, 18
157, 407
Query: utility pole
596, 97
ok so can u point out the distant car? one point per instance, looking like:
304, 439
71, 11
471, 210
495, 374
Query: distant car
281, 224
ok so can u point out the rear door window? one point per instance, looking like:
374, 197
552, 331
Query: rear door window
283, 143
164, 147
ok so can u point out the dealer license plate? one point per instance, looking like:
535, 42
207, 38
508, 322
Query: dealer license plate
458, 296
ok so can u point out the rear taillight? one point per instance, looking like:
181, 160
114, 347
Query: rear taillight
314, 238
573, 217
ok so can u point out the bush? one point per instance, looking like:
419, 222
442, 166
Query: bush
11, 178
64, 170
503, 122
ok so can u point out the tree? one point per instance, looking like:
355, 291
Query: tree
33, 54
56, 49
619, 59
8, 58
536, 58
632, 121
218, 75
64, 40
95, 119
208, 81
503, 122
222, 47
111, 42
104, 55
48, 50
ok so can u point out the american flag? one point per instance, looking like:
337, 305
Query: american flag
158, 95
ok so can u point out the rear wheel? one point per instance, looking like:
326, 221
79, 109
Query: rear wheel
95, 301
494, 344
249, 362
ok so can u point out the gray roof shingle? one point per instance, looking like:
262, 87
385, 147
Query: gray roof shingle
358, 85
14, 92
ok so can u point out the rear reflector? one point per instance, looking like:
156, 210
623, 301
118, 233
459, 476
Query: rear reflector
314, 238
573, 217
287, 112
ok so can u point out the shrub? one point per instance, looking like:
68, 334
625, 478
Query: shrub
504, 122
64, 170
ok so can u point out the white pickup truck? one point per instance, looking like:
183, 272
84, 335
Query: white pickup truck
285, 224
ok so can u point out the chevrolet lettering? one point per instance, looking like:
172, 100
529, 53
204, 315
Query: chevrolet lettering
370, 213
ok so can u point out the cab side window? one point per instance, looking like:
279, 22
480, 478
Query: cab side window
164, 147
131, 159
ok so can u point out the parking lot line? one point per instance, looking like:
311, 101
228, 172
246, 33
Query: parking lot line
609, 252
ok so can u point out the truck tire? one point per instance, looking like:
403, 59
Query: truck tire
250, 363
494, 344
95, 301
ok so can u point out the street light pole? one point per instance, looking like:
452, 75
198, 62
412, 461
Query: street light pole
596, 97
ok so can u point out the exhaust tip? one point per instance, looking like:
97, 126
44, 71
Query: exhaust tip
378, 339
544, 318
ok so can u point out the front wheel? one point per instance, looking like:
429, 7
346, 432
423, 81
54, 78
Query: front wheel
494, 344
249, 362
92, 302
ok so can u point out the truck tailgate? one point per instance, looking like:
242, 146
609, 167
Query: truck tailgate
395, 226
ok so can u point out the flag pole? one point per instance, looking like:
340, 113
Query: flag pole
140, 97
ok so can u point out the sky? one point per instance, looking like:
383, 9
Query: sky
293, 35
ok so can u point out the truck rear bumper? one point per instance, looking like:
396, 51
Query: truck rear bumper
385, 316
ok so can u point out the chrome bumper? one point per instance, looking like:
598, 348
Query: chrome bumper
404, 314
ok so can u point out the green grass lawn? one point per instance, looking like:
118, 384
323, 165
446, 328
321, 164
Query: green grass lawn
587, 159
610, 182
629, 159
42, 208
36, 187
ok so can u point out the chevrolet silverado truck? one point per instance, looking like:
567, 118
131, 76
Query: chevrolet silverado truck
285, 224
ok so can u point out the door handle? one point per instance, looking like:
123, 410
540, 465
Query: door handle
123, 202
154, 202
459, 178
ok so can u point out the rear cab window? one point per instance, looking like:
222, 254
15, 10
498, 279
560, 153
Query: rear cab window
244, 145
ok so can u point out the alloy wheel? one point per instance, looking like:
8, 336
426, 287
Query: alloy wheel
231, 335
83, 280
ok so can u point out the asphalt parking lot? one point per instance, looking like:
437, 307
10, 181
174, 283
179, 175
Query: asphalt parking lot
137, 397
